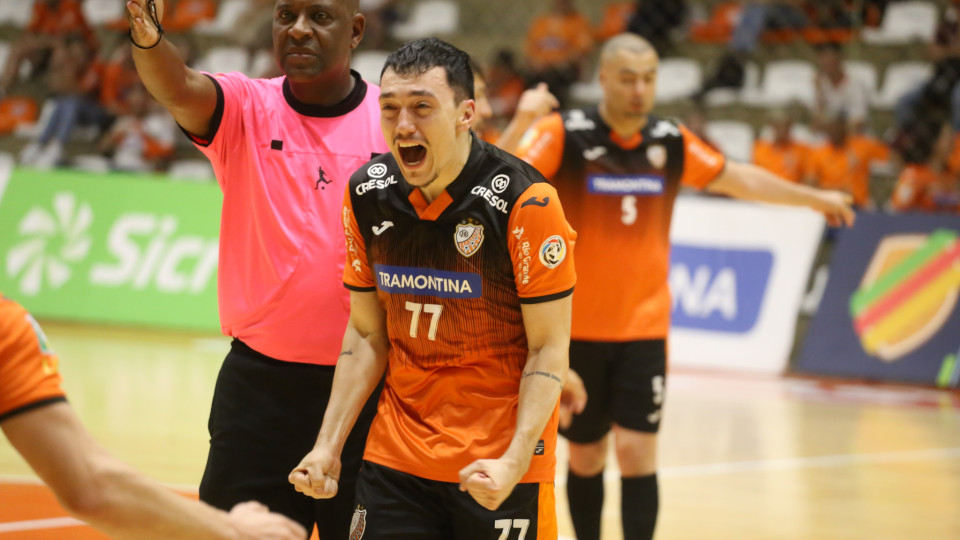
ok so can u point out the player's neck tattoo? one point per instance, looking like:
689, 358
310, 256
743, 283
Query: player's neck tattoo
544, 374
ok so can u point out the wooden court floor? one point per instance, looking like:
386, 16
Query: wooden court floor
742, 457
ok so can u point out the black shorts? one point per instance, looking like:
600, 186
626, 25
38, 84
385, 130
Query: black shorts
265, 417
399, 506
625, 385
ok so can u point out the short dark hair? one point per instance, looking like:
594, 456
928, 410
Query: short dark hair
421, 55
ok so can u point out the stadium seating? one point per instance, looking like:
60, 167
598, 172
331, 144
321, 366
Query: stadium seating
224, 59
191, 170
678, 78
15, 13
369, 64
428, 18
735, 138
785, 81
904, 22
898, 79
228, 14
101, 12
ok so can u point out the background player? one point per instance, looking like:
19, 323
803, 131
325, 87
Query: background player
283, 149
460, 273
618, 169
89, 482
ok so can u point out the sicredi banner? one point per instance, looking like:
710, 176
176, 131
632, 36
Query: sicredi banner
115, 248
738, 272
889, 312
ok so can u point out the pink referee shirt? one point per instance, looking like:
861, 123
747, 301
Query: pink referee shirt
283, 167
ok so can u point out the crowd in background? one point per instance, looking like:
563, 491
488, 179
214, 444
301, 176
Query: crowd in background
91, 90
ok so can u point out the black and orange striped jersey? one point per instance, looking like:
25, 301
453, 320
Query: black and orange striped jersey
451, 276
29, 374
619, 196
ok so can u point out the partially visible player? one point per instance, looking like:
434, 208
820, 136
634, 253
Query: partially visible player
534, 103
618, 169
89, 482
460, 270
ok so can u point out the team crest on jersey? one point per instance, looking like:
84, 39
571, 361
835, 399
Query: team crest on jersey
553, 251
468, 237
358, 523
657, 155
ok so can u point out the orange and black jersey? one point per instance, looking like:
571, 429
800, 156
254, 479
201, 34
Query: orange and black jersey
29, 376
452, 276
619, 195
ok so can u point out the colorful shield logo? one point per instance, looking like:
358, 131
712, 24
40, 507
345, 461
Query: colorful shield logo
468, 237
909, 290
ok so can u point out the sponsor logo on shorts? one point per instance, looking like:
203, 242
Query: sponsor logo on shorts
468, 237
358, 524
553, 251
626, 184
428, 282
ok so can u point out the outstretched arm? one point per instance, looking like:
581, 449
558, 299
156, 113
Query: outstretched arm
747, 181
97, 488
363, 360
534, 104
189, 95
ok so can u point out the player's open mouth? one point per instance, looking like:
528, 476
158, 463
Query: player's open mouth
412, 154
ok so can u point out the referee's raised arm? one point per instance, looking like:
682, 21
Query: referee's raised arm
189, 95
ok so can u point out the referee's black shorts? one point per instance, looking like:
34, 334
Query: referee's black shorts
265, 417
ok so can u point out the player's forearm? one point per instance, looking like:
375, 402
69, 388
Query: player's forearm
509, 140
163, 72
360, 367
127, 505
540, 387
750, 182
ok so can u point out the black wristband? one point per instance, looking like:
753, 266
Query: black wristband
152, 11
137, 45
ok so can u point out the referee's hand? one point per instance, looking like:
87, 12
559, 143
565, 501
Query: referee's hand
143, 29
317, 475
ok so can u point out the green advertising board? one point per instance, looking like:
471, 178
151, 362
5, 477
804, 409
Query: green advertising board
110, 248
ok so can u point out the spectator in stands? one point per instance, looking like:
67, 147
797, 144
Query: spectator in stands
781, 155
930, 182
922, 189
183, 15
505, 84
556, 47
755, 17
655, 20
381, 16
843, 162
74, 79
939, 96
615, 18
52, 20
837, 92
139, 141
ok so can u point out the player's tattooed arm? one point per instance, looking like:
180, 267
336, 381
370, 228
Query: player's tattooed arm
544, 374
348, 352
